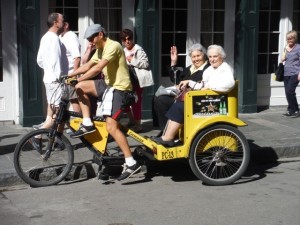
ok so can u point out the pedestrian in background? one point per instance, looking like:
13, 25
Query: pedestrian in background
136, 57
291, 60
52, 59
72, 47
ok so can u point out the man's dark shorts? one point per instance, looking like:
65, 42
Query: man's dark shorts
72, 92
117, 98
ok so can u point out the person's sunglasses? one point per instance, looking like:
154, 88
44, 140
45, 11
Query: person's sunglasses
92, 37
127, 39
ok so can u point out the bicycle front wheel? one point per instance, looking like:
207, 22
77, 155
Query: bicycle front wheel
219, 155
38, 163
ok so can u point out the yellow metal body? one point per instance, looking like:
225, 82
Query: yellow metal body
202, 109
98, 138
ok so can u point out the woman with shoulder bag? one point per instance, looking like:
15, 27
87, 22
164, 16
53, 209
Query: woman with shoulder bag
141, 76
291, 62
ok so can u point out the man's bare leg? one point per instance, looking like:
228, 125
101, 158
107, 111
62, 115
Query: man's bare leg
49, 119
116, 133
131, 166
85, 89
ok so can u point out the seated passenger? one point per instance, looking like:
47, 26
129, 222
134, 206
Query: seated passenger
217, 77
162, 103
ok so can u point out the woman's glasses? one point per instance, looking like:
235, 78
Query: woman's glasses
127, 39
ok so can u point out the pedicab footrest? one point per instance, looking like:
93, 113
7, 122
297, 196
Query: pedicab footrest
163, 153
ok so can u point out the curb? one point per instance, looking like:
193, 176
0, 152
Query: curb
79, 172
89, 170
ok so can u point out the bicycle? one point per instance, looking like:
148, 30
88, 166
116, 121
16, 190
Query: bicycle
218, 153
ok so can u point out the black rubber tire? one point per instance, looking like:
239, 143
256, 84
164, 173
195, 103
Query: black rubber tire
219, 155
31, 166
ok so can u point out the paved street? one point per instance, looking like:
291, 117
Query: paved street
169, 194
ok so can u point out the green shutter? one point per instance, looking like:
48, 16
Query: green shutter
246, 48
147, 36
31, 85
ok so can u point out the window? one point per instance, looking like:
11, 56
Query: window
212, 22
68, 8
268, 37
270, 31
296, 16
173, 31
108, 13
205, 19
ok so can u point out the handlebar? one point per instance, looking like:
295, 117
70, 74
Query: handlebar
175, 68
63, 77
69, 80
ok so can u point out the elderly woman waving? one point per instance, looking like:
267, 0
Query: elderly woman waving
218, 77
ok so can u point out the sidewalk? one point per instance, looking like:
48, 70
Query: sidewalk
270, 137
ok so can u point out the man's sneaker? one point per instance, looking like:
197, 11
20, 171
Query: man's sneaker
287, 114
38, 126
36, 144
295, 114
83, 130
59, 145
128, 171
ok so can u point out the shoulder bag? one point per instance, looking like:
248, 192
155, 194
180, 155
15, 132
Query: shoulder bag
279, 73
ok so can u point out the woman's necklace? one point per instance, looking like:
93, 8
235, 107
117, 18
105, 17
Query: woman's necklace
289, 49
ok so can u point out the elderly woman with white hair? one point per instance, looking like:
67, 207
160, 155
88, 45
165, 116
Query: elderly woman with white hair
217, 77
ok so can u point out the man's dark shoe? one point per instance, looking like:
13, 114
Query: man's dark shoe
36, 144
38, 126
295, 114
83, 130
128, 171
59, 145
159, 140
287, 114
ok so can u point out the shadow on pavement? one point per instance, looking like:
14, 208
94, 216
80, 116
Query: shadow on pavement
8, 148
262, 154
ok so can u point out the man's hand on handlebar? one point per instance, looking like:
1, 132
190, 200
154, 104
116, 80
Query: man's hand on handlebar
71, 81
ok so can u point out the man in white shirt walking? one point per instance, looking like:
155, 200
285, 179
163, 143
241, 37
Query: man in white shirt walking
52, 59
71, 42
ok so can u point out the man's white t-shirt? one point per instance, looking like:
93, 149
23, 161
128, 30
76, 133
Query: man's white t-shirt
51, 57
72, 45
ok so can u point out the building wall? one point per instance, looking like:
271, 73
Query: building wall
269, 93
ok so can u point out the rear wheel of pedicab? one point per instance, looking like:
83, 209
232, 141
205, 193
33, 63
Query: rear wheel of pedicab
219, 155
35, 166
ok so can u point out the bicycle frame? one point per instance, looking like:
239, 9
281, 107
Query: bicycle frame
217, 152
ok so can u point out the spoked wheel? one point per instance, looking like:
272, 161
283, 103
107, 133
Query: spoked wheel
38, 166
219, 155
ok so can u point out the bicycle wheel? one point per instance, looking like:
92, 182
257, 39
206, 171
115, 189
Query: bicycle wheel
219, 155
31, 161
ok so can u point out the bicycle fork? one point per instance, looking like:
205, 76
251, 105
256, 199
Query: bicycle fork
59, 120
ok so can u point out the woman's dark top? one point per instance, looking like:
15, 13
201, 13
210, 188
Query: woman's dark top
162, 104
185, 74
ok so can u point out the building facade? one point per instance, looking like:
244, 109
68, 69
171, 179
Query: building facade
251, 32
